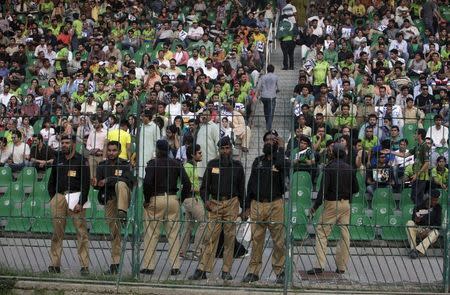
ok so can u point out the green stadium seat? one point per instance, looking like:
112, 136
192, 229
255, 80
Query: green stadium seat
428, 121
98, 221
360, 196
40, 191
335, 232
409, 131
16, 221
212, 16
443, 196
92, 199
361, 228
303, 197
37, 208
42, 218
299, 226
37, 126
79, 148
357, 208
407, 211
393, 228
383, 204
46, 176
301, 179
319, 181
380, 213
5, 179
27, 178
383, 196
405, 198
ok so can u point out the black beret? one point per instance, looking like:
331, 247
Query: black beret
224, 141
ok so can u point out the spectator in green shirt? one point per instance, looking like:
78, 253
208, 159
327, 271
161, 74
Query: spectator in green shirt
345, 119
320, 73
440, 174
369, 140
421, 165
331, 55
319, 141
303, 156
80, 95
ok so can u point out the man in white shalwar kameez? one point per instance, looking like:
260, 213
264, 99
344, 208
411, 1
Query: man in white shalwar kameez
207, 137
148, 135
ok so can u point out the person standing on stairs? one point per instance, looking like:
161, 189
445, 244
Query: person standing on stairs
287, 32
267, 90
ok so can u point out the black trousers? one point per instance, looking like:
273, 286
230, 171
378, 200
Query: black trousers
288, 47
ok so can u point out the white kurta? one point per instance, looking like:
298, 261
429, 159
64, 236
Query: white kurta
207, 137
148, 136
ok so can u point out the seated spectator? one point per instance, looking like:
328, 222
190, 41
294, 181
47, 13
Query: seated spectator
20, 152
402, 160
303, 156
425, 221
41, 156
439, 135
319, 142
5, 152
412, 114
439, 174
344, 119
378, 175
369, 141
54, 142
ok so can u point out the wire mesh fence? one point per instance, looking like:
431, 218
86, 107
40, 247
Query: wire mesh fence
171, 248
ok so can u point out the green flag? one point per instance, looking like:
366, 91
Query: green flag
286, 28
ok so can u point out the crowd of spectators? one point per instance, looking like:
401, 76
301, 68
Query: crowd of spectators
375, 76
91, 68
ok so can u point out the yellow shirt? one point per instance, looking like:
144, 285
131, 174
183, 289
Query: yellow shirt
168, 55
124, 138
359, 10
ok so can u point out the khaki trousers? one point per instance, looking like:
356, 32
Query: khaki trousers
431, 236
226, 210
60, 212
194, 212
270, 216
93, 163
165, 210
121, 201
244, 139
334, 212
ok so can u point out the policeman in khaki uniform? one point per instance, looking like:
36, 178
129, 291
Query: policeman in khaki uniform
264, 203
338, 185
114, 182
223, 190
70, 174
161, 205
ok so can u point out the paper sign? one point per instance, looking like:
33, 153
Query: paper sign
381, 28
182, 35
260, 46
72, 199
248, 231
329, 30
346, 33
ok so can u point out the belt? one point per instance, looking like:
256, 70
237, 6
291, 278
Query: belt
267, 200
165, 195
221, 198
339, 199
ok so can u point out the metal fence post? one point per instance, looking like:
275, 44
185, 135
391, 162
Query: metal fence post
135, 240
289, 229
446, 275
